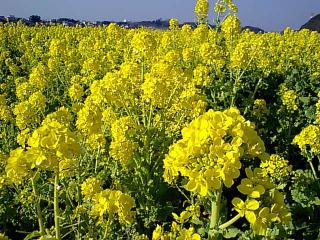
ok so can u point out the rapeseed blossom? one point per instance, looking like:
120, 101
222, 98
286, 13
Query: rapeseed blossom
210, 151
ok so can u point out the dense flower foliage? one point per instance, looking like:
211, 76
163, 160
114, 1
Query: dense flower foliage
114, 133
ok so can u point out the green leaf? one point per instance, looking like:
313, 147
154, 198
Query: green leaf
32, 235
231, 232
305, 100
201, 231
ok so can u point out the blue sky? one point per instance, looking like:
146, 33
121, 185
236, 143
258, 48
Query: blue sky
270, 15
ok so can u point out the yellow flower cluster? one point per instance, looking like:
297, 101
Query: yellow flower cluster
201, 75
89, 122
49, 145
23, 137
213, 54
260, 108
173, 24
76, 92
38, 77
222, 5
255, 184
90, 187
231, 27
28, 113
157, 88
62, 115
23, 89
5, 111
240, 56
201, 10
143, 44
177, 233
210, 151
18, 165
276, 167
56, 140
289, 98
113, 202
318, 109
308, 139
270, 209
123, 147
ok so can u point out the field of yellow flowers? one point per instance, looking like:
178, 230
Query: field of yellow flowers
205, 133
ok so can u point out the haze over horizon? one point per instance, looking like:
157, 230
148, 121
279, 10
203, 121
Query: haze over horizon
270, 15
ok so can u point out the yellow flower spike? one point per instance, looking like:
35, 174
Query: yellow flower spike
308, 137
173, 24
201, 10
231, 27
276, 167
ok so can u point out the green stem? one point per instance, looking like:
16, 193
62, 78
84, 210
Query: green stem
230, 222
238, 78
107, 230
215, 214
312, 168
253, 94
56, 205
38, 207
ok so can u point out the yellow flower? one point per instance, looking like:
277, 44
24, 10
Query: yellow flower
76, 92
173, 24
112, 202
263, 220
157, 233
309, 137
289, 98
276, 167
246, 209
197, 183
188, 234
201, 10
231, 27
18, 166
205, 158
260, 108
251, 188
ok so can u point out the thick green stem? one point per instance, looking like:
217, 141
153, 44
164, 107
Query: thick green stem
56, 205
230, 222
38, 207
215, 214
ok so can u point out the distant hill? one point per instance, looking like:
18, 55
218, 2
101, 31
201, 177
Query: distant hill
313, 24
253, 29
